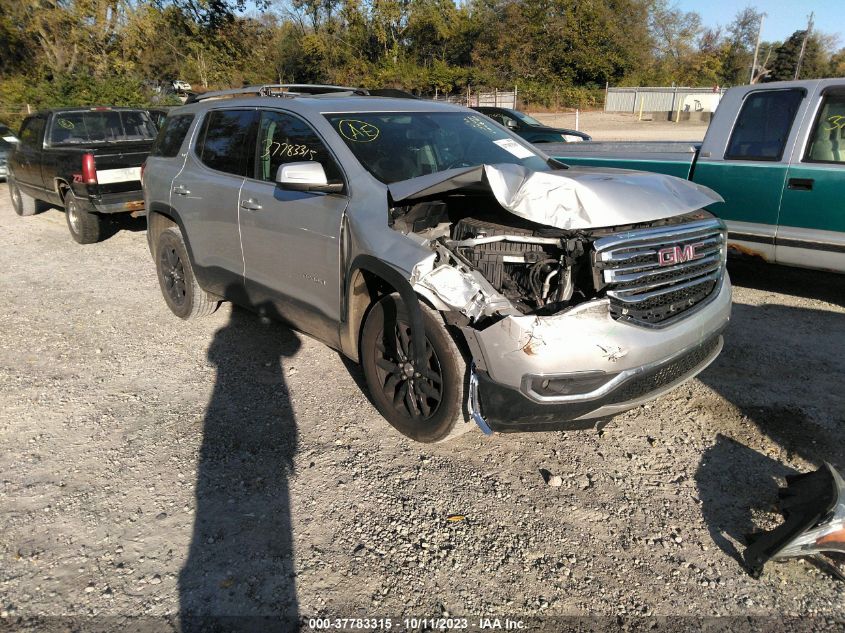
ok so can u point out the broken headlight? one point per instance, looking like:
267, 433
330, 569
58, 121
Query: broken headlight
813, 505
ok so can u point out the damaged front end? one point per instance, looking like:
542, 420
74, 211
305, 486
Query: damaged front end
545, 274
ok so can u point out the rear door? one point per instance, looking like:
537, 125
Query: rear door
811, 228
206, 194
747, 162
165, 161
291, 239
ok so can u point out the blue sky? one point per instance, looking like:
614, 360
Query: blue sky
784, 16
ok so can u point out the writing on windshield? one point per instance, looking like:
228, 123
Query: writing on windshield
396, 146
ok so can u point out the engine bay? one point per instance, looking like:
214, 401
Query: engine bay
540, 270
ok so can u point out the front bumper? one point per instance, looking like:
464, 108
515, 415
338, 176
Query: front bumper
4, 171
567, 370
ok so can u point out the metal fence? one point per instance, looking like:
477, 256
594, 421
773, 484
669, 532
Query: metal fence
496, 98
661, 99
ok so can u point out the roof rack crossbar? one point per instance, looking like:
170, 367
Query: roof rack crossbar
279, 90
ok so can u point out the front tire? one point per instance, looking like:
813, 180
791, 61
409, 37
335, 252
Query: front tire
176, 278
424, 403
84, 227
23, 204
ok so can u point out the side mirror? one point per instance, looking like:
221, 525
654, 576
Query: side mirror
511, 124
305, 176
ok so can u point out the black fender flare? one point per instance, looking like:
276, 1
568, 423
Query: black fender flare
406, 291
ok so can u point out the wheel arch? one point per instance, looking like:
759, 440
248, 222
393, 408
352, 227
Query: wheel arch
62, 188
161, 217
368, 281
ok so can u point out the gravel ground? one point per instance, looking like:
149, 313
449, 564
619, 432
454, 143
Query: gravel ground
230, 466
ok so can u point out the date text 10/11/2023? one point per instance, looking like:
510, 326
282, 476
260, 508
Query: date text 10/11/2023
414, 624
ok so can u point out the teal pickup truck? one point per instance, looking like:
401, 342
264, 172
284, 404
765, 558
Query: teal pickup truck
776, 154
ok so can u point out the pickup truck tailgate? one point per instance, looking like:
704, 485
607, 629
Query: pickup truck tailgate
119, 167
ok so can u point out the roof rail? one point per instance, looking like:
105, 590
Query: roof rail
279, 90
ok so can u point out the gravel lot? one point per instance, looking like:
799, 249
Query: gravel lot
228, 466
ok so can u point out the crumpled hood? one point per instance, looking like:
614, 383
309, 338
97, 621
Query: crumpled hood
574, 198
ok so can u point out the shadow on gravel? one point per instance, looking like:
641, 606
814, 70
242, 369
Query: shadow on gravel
124, 222
240, 561
809, 284
733, 482
779, 363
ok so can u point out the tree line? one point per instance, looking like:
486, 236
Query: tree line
557, 52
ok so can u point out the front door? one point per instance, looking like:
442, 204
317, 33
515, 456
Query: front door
28, 156
749, 171
811, 229
291, 239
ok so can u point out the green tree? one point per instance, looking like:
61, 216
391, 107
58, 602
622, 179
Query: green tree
785, 58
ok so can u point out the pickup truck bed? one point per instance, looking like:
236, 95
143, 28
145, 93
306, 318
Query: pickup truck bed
674, 158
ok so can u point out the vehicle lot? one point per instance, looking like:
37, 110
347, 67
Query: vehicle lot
230, 466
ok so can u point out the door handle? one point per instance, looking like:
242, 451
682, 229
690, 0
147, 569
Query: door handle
800, 184
250, 205
181, 190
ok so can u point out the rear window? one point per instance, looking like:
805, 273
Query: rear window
763, 125
172, 134
106, 126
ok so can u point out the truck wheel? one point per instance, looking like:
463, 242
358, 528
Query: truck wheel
24, 205
424, 403
176, 278
85, 228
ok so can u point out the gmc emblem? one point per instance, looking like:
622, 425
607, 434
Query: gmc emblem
678, 254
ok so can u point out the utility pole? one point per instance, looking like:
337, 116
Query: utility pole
804, 44
757, 48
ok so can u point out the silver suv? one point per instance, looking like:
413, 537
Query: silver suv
473, 277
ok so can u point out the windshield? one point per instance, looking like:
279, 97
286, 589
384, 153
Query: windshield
395, 146
107, 126
530, 120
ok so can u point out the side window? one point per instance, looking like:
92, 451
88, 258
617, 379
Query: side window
283, 138
827, 139
225, 140
763, 125
172, 134
31, 131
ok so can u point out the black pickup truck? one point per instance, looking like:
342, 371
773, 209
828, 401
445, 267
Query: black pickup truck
87, 160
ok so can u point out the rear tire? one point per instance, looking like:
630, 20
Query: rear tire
85, 227
425, 404
176, 279
23, 204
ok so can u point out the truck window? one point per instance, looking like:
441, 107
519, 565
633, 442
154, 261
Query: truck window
171, 135
101, 126
31, 131
283, 138
827, 139
224, 142
763, 125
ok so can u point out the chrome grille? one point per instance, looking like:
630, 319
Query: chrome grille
652, 276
